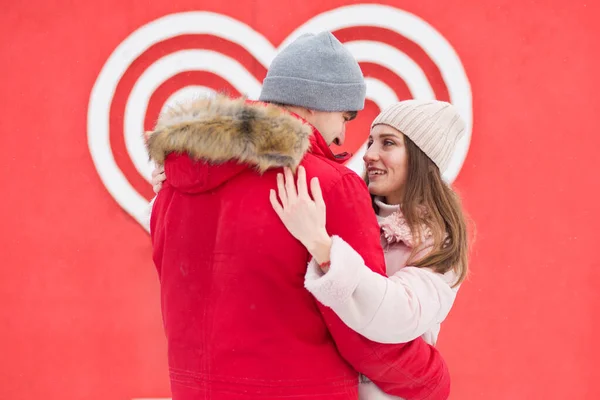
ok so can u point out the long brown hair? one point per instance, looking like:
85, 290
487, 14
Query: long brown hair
429, 201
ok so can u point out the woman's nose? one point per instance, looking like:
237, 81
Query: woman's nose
371, 154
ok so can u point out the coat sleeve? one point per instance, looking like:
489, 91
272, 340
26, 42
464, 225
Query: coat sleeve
397, 309
413, 370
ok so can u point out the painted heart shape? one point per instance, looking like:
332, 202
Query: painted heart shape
206, 23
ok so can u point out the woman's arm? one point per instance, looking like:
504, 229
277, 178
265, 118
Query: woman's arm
397, 309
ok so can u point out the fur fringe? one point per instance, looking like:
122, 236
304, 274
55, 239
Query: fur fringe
221, 129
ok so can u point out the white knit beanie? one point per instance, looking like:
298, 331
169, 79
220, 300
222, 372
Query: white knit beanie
434, 126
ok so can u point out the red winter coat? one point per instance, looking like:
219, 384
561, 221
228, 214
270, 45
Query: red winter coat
238, 320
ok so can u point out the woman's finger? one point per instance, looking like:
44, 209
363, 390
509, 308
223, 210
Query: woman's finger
290, 185
158, 170
317, 194
302, 186
158, 179
281, 190
275, 203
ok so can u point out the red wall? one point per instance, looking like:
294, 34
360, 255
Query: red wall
79, 316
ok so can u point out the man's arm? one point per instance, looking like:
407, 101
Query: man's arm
411, 370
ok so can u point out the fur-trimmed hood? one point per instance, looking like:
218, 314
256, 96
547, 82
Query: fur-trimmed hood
220, 129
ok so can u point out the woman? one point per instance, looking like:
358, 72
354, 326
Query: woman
423, 230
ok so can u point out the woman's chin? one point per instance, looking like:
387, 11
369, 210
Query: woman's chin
376, 191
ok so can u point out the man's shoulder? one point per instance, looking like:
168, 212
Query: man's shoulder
328, 171
336, 180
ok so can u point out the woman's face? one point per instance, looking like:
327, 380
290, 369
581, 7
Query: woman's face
386, 162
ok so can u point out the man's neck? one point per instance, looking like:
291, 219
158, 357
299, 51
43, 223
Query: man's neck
301, 112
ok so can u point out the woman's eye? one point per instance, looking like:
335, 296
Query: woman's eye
388, 143
369, 143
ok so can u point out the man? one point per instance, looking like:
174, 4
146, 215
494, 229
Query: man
239, 323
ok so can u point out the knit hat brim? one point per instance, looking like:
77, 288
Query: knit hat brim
321, 96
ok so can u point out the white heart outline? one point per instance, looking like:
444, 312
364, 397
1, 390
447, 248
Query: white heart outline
161, 70
200, 22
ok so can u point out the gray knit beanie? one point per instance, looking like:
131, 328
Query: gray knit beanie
316, 72
434, 126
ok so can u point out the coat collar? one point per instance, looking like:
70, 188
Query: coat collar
395, 228
206, 142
